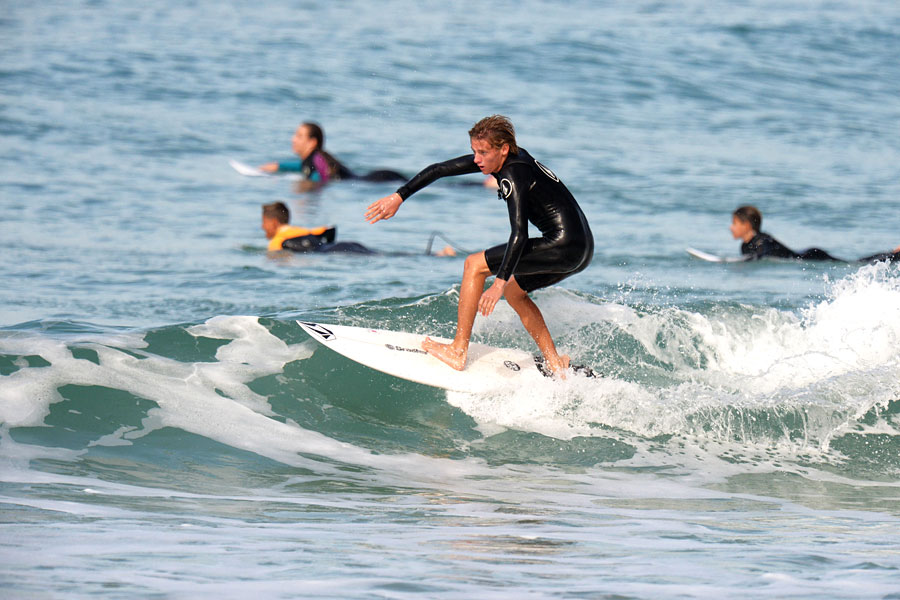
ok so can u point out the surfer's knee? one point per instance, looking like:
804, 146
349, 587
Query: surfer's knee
475, 263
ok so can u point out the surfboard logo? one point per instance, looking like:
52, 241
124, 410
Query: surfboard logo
320, 330
505, 187
511, 365
402, 349
547, 172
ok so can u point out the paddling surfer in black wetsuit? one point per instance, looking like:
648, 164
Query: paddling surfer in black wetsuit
533, 194
317, 166
745, 226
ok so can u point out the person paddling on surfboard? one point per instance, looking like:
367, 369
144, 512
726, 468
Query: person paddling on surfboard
746, 222
317, 166
282, 236
533, 193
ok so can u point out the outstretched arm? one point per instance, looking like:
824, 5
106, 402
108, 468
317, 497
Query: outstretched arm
386, 207
455, 166
276, 167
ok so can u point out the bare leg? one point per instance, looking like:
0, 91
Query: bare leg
534, 323
454, 354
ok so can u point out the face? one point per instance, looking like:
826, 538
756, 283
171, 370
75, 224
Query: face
740, 229
489, 158
302, 143
270, 226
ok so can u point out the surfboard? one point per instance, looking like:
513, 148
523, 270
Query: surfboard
245, 169
715, 258
400, 354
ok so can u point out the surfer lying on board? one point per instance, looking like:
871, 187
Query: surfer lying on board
317, 166
533, 193
745, 225
281, 236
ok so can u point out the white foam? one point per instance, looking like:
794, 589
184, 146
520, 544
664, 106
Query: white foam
857, 328
823, 367
208, 399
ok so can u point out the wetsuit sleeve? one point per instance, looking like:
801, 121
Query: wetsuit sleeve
290, 165
430, 174
321, 169
515, 182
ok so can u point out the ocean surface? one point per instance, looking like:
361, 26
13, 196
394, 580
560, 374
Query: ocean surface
168, 431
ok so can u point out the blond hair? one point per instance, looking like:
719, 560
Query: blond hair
495, 130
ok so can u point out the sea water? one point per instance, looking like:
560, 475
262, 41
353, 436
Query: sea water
168, 431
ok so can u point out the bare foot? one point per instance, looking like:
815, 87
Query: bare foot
445, 353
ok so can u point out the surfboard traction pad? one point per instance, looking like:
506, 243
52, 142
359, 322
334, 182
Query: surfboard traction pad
582, 370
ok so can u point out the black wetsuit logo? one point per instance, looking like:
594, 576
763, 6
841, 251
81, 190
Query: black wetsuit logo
547, 172
505, 187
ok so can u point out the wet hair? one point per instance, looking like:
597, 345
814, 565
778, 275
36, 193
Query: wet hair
495, 130
316, 133
277, 211
749, 214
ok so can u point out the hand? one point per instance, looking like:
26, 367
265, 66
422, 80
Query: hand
384, 208
271, 167
489, 299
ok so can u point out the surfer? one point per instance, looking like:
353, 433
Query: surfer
317, 166
281, 236
746, 222
533, 193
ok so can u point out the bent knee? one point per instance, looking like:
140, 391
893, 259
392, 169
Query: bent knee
476, 263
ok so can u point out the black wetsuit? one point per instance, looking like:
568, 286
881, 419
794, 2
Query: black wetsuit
323, 243
763, 245
322, 167
533, 193
882, 256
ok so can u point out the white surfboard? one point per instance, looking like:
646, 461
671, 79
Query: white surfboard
401, 355
245, 169
714, 258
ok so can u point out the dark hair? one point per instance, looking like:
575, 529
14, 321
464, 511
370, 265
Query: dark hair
749, 214
277, 211
496, 130
316, 133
